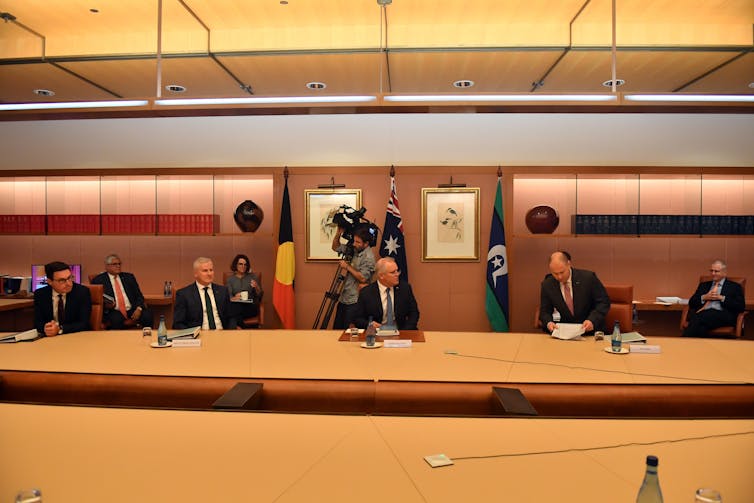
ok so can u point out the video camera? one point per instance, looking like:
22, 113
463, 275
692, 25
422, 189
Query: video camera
350, 220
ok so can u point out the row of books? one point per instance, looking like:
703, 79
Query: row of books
664, 224
109, 224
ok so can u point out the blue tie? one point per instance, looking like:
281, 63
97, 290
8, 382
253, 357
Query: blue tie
210, 315
390, 318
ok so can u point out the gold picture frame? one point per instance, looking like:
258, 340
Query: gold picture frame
450, 224
321, 205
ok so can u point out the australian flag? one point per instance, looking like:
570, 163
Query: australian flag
393, 244
497, 269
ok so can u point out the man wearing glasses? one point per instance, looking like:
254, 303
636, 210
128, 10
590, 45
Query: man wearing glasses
388, 301
124, 304
63, 306
715, 303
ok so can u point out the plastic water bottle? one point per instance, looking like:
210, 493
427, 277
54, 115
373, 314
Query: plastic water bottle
162, 332
616, 340
650, 488
166, 289
370, 333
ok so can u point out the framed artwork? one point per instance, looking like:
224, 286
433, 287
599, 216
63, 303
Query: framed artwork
450, 225
321, 206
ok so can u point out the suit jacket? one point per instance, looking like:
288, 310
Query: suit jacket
78, 308
590, 300
733, 304
404, 305
130, 288
188, 310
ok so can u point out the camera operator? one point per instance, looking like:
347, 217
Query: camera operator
357, 266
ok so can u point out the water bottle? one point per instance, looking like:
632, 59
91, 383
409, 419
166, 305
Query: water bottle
650, 488
166, 290
370, 333
162, 332
555, 315
616, 340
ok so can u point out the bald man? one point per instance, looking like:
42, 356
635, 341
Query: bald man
566, 286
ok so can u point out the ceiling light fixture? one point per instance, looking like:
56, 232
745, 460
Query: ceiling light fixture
72, 104
175, 88
44, 92
730, 98
618, 83
266, 100
316, 86
502, 97
463, 83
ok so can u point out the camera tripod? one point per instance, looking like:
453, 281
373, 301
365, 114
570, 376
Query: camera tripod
330, 300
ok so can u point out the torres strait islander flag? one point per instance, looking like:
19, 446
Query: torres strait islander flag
285, 267
393, 243
497, 269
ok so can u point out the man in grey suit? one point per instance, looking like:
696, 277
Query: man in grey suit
127, 307
203, 303
577, 294
715, 303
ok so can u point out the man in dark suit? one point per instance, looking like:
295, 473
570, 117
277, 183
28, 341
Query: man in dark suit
128, 309
63, 306
577, 294
715, 303
373, 299
202, 303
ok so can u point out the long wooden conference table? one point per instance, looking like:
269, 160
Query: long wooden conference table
90, 454
373, 415
450, 374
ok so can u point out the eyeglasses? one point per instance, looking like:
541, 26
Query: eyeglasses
63, 281
713, 271
116, 264
397, 271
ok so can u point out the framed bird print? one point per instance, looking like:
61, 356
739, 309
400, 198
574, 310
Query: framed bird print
450, 224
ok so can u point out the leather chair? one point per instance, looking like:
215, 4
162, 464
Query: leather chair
730, 331
621, 308
253, 321
95, 319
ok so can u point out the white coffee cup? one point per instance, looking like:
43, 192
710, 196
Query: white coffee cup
244, 295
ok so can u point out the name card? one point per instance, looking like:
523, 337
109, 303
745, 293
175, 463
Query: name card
644, 348
187, 343
400, 343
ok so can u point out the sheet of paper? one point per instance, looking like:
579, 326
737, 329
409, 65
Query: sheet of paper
568, 331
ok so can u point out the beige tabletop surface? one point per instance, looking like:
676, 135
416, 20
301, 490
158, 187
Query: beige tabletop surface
445, 356
124, 455
12, 304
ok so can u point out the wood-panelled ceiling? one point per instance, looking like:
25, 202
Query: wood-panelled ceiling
103, 49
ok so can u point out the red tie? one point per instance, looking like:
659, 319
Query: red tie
568, 297
120, 297
61, 309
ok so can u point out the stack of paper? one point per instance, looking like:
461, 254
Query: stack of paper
568, 331
186, 333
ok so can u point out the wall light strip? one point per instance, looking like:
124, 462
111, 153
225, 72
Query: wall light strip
691, 97
73, 104
502, 97
266, 100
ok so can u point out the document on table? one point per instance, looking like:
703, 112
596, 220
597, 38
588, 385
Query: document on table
568, 331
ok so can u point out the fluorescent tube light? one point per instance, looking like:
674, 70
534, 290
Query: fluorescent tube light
502, 97
72, 104
265, 100
691, 97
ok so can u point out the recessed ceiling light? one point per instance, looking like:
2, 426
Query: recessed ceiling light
175, 88
463, 83
751, 85
44, 92
316, 85
618, 83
